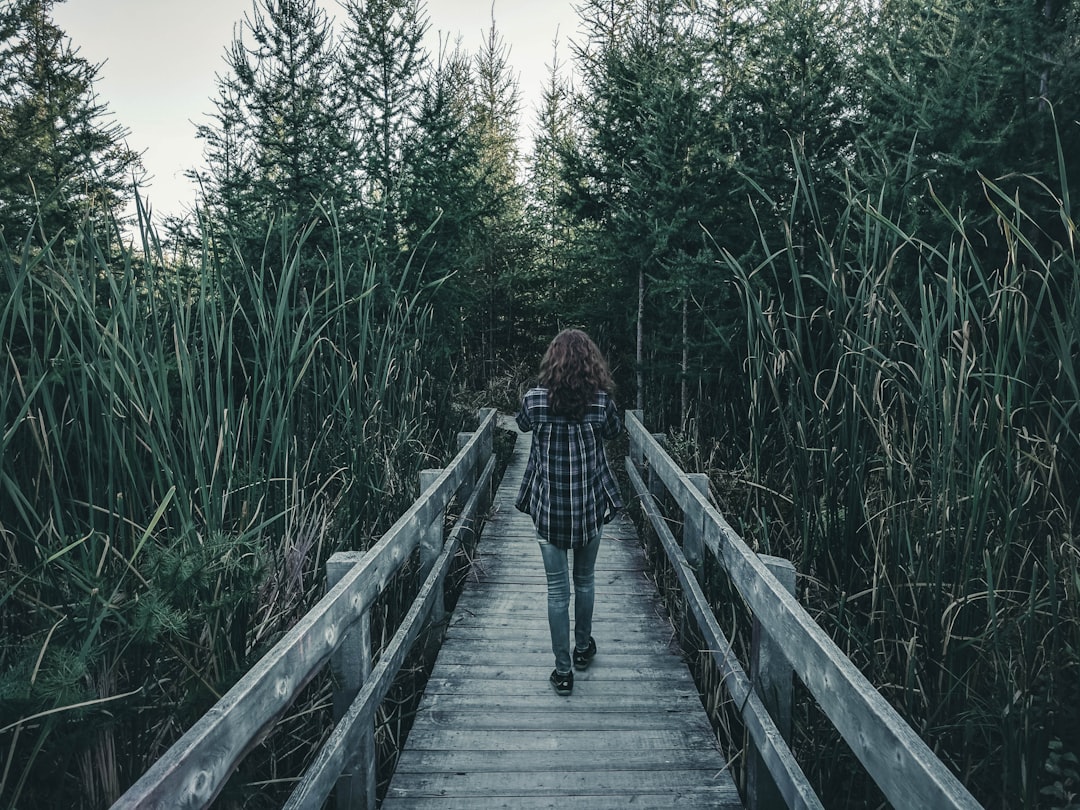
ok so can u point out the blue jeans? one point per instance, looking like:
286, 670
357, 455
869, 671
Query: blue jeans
558, 597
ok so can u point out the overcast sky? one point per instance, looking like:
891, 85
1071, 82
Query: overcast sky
161, 56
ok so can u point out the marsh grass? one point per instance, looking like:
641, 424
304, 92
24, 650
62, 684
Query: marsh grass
914, 443
183, 447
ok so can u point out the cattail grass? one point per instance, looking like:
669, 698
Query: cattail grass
184, 443
917, 404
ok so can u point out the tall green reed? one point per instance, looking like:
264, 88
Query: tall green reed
182, 448
918, 406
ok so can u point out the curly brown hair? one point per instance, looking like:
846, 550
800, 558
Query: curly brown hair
573, 371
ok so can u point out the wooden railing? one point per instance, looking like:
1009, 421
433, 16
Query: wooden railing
786, 641
194, 770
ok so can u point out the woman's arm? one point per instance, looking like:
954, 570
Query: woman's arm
612, 421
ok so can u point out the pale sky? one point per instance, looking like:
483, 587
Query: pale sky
161, 57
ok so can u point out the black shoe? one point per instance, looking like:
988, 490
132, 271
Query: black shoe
564, 684
582, 658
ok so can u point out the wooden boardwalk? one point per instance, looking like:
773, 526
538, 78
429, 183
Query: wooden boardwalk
492, 733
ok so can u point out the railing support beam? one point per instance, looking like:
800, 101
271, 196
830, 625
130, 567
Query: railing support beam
431, 543
772, 677
351, 665
692, 529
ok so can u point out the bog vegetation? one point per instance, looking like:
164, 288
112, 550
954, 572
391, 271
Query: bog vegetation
830, 248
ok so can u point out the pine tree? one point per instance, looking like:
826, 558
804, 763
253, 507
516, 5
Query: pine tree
609, 264
229, 183
278, 148
503, 251
383, 64
645, 183
546, 294
61, 158
956, 90
441, 198
790, 105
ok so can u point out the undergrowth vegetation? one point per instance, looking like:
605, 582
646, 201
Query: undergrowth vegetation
913, 445
183, 448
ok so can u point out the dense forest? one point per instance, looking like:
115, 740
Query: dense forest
828, 246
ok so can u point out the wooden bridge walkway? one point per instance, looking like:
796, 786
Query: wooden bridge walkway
490, 730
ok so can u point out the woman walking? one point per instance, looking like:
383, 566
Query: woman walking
569, 489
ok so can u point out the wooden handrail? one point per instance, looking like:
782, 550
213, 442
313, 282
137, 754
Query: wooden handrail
195, 769
902, 765
768, 741
332, 760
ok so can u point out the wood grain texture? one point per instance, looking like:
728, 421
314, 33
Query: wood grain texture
492, 733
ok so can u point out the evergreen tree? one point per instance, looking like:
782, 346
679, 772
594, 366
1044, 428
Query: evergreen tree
546, 292
228, 185
441, 197
503, 250
383, 64
278, 148
609, 255
61, 158
789, 103
956, 90
644, 184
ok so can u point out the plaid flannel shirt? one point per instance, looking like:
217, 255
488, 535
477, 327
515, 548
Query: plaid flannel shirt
568, 487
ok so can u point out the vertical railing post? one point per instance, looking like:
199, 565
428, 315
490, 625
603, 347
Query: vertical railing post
772, 676
469, 483
431, 543
692, 529
656, 484
637, 452
488, 446
487, 449
351, 664
692, 551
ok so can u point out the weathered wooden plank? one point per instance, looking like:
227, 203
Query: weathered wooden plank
686, 799
643, 699
525, 552
506, 657
547, 719
660, 671
511, 600
535, 637
524, 621
531, 574
561, 759
594, 739
704, 783
594, 695
515, 614
526, 556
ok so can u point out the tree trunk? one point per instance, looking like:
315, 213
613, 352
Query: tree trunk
640, 402
1044, 79
684, 365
